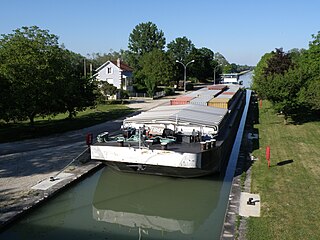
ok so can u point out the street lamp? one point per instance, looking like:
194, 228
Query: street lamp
185, 73
214, 74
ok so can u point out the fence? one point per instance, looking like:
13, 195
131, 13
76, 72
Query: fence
145, 95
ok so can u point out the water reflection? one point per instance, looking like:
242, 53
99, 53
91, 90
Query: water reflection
152, 202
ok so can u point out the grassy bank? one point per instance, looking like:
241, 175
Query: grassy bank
290, 189
60, 123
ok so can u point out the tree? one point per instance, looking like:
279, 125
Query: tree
230, 68
260, 82
74, 92
156, 69
146, 37
108, 89
310, 63
180, 49
220, 59
27, 56
203, 67
279, 63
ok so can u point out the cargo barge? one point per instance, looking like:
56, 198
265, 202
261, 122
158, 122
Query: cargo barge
191, 137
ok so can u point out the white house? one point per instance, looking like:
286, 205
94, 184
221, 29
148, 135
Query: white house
116, 73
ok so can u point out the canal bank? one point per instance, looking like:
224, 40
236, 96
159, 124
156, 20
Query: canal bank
14, 209
235, 225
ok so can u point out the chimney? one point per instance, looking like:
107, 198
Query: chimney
118, 63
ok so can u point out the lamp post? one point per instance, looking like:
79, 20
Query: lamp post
214, 74
185, 73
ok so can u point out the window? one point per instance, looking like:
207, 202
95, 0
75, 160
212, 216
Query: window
109, 70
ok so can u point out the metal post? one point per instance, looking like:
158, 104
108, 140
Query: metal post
185, 79
185, 73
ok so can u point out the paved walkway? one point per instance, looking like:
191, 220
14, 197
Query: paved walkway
23, 164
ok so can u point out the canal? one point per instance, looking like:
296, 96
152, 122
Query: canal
114, 205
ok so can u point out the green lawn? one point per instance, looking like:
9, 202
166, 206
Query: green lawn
290, 192
60, 123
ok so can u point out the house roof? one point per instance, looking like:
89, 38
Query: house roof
123, 66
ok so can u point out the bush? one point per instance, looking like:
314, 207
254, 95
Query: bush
169, 91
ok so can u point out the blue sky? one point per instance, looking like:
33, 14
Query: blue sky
241, 30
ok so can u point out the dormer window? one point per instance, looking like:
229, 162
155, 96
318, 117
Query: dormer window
109, 70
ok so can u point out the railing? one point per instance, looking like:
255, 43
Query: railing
145, 95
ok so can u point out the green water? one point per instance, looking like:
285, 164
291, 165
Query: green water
114, 205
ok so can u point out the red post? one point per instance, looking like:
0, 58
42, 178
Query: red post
268, 155
260, 102
89, 139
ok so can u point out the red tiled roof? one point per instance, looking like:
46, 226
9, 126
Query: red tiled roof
123, 66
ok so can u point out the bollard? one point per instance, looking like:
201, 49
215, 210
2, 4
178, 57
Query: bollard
213, 142
268, 155
203, 146
89, 139
208, 143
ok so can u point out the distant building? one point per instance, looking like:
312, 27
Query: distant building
116, 73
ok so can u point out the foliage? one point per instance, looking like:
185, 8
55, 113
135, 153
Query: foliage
203, 67
180, 49
27, 59
290, 80
260, 82
75, 92
108, 89
146, 37
279, 63
169, 91
220, 59
156, 69
310, 63
40, 77
230, 68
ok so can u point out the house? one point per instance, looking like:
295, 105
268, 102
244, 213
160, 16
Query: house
116, 73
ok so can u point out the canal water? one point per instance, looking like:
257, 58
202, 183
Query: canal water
246, 79
114, 205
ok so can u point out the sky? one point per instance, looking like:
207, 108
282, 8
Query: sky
241, 30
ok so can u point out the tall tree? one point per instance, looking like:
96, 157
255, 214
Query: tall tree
203, 67
74, 92
310, 63
279, 63
181, 48
146, 37
156, 69
27, 56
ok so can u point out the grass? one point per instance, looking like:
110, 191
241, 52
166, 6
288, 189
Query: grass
290, 189
60, 123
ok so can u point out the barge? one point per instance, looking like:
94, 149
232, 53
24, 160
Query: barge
191, 137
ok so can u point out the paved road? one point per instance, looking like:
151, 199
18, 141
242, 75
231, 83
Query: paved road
25, 163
